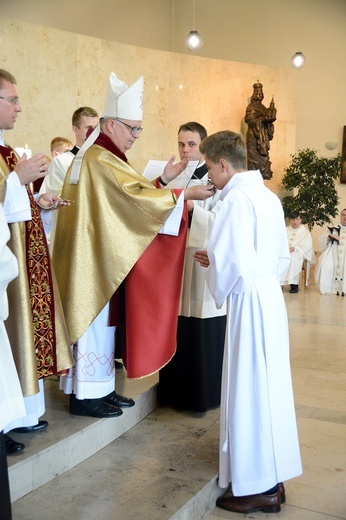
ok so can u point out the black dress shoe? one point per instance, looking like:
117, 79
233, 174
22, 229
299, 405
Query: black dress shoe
118, 400
118, 365
294, 288
250, 503
13, 447
93, 408
41, 425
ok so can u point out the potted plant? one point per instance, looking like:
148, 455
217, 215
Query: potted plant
313, 180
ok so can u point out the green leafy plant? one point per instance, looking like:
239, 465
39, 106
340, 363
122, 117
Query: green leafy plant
313, 179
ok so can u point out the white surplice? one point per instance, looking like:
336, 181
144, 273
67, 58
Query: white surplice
301, 240
196, 300
258, 438
53, 183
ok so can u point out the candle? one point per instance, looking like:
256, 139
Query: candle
24, 150
27, 151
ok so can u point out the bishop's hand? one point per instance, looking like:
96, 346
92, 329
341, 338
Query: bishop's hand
172, 170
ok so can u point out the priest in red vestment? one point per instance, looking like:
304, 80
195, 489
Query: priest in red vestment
36, 327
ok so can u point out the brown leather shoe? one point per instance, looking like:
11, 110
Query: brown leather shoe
251, 503
282, 492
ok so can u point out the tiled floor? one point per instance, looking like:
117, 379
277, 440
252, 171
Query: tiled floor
165, 467
318, 359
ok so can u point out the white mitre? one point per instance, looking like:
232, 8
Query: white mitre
121, 101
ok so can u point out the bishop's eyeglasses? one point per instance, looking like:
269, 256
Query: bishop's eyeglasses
134, 130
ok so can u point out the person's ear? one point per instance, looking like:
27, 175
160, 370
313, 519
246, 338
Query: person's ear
223, 164
110, 125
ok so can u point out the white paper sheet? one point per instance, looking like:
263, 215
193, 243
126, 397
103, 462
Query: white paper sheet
155, 168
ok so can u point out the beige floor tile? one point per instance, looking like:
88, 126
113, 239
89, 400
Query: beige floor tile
287, 513
166, 466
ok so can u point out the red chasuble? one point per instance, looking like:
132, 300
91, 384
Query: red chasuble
152, 295
149, 297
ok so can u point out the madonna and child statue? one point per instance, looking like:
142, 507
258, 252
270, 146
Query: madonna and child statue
260, 131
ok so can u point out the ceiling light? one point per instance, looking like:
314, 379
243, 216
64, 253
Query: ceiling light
298, 60
193, 41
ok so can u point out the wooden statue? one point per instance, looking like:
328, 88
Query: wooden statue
260, 132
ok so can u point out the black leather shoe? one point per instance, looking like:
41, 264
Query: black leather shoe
41, 425
118, 400
250, 503
294, 289
93, 408
118, 365
13, 447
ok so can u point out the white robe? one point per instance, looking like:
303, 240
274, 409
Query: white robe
93, 375
330, 275
11, 397
258, 438
301, 240
196, 300
53, 183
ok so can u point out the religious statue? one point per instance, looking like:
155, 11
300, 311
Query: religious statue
260, 121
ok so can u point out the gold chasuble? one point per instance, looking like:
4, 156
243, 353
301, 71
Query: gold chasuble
36, 327
108, 240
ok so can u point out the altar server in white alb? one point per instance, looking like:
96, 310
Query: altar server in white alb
330, 272
11, 398
259, 446
300, 244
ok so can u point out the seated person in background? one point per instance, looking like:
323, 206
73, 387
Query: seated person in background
60, 145
300, 244
331, 267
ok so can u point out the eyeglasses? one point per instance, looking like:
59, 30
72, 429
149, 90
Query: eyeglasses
13, 100
133, 129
